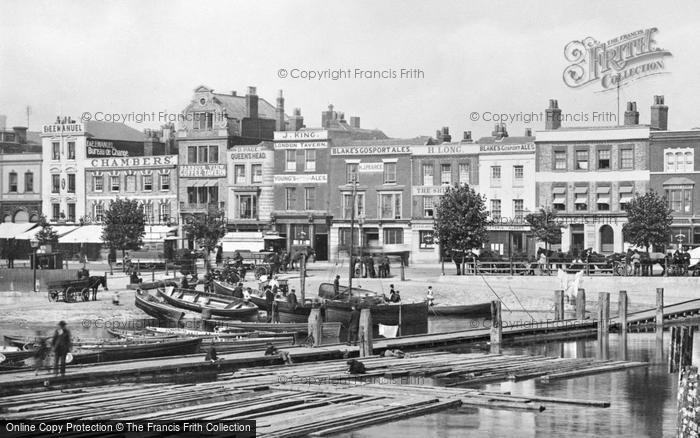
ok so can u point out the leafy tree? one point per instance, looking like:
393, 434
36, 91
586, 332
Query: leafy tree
545, 227
648, 221
460, 222
124, 225
206, 230
47, 235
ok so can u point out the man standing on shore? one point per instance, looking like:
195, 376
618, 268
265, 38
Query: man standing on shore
354, 325
61, 344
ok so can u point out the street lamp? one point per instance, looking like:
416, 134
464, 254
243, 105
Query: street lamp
35, 246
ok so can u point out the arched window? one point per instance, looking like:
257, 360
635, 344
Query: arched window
607, 239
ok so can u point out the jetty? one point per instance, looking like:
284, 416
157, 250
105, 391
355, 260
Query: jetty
317, 398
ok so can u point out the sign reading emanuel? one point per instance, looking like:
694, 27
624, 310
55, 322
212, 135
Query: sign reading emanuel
203, 171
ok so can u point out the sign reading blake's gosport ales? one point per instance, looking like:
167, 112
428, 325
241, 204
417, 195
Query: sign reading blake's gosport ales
370, 150
615, 62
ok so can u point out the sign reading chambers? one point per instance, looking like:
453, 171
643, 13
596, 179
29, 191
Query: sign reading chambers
127, 162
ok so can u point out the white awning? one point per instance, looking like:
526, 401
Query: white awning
625, 199
12, 230
157, 233
60, 230
559, 199
580, 189
626, 189
559, 190
581, 200
604, 200
605, 189
84, 234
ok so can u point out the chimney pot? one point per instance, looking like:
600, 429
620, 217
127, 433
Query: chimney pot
659, 115
251, 91
233, 93
552, 115
631, 115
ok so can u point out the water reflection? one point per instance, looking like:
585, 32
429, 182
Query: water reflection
642, 399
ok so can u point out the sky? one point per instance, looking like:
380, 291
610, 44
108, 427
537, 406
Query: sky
134, 57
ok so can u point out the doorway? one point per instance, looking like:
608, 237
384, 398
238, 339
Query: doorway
607, 239
321, 247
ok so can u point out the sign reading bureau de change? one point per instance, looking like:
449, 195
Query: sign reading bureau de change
203, 171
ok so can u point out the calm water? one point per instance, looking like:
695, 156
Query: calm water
642, 400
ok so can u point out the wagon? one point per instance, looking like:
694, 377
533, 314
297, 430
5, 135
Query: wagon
69, 291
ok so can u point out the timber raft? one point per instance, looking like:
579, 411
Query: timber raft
321, 398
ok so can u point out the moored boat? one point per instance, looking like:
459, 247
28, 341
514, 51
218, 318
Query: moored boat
412, 317
480, 310
157, 309
214, 304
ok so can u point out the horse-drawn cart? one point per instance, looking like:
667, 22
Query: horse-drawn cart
69, 291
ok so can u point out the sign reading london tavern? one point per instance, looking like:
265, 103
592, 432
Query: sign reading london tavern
615, 62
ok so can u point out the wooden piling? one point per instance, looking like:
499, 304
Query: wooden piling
403, 271
302, 278
622, 311
660, 308
315, 330
496, 327
688, 402
365, 333
581, 304
558, 305
603, 314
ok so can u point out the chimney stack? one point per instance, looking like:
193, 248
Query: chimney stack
553, 115
631, 114
445, 137
296, 122
279, 113
251, 103
327, 117
233, 93
659, 115
467, 138
355, 122
20, 134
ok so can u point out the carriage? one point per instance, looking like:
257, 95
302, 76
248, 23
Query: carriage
69, 291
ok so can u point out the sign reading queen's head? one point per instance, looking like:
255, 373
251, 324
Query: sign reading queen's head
615, 62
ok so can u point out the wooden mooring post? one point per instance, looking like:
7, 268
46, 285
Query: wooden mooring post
688, 420
302, 278
365, 333
659, 308
558, 305
315, 328
496, 327
680, 352
603, 324
622, 316
581, 304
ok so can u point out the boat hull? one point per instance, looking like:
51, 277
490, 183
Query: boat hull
247, 313
287, 313
160, 311
412, 317
481, 310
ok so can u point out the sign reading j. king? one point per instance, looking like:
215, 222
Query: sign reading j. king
615, 62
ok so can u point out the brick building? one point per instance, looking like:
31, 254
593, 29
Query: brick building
212, 125
20, 174
588, 175
675, 162
434, 167
506, 173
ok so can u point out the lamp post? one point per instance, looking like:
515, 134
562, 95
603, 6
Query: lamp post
35, 246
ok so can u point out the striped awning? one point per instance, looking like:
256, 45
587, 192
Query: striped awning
581, 199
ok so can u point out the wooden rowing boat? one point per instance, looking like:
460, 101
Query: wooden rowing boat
412, 317
481, 310
288, 313
157, 309
329, 329
214, 304
129, 334
29, 342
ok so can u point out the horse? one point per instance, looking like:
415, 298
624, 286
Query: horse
96, 281
298, 253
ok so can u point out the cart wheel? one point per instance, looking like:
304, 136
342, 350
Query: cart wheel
86, 294
53, 295
70, 295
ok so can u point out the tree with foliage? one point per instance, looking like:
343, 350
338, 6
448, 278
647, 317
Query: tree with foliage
46, 235
460, 222
124, 225
545, 227
206, 230
648, 221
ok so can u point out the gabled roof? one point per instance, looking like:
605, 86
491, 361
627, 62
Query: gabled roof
113, 131
236, 106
